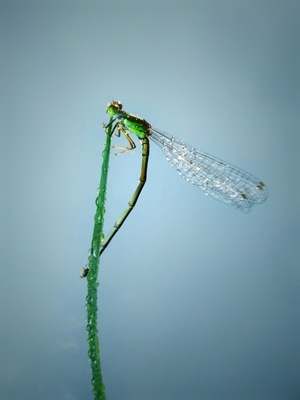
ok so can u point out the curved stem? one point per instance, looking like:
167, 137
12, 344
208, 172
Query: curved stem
91, 298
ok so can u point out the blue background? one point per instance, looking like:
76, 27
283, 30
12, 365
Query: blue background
196, 299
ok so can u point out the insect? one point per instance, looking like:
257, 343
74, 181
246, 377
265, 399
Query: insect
219, 179
84, 271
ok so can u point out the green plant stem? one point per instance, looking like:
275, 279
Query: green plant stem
92, 283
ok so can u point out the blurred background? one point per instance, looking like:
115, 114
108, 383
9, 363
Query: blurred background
196, 300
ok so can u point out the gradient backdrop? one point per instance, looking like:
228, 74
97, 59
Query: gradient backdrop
196, 300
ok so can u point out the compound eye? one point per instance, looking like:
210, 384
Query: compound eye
117, 105
114, 107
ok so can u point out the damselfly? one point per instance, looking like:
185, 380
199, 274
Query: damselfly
223, 181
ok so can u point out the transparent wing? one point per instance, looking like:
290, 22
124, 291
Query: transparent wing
223, 181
